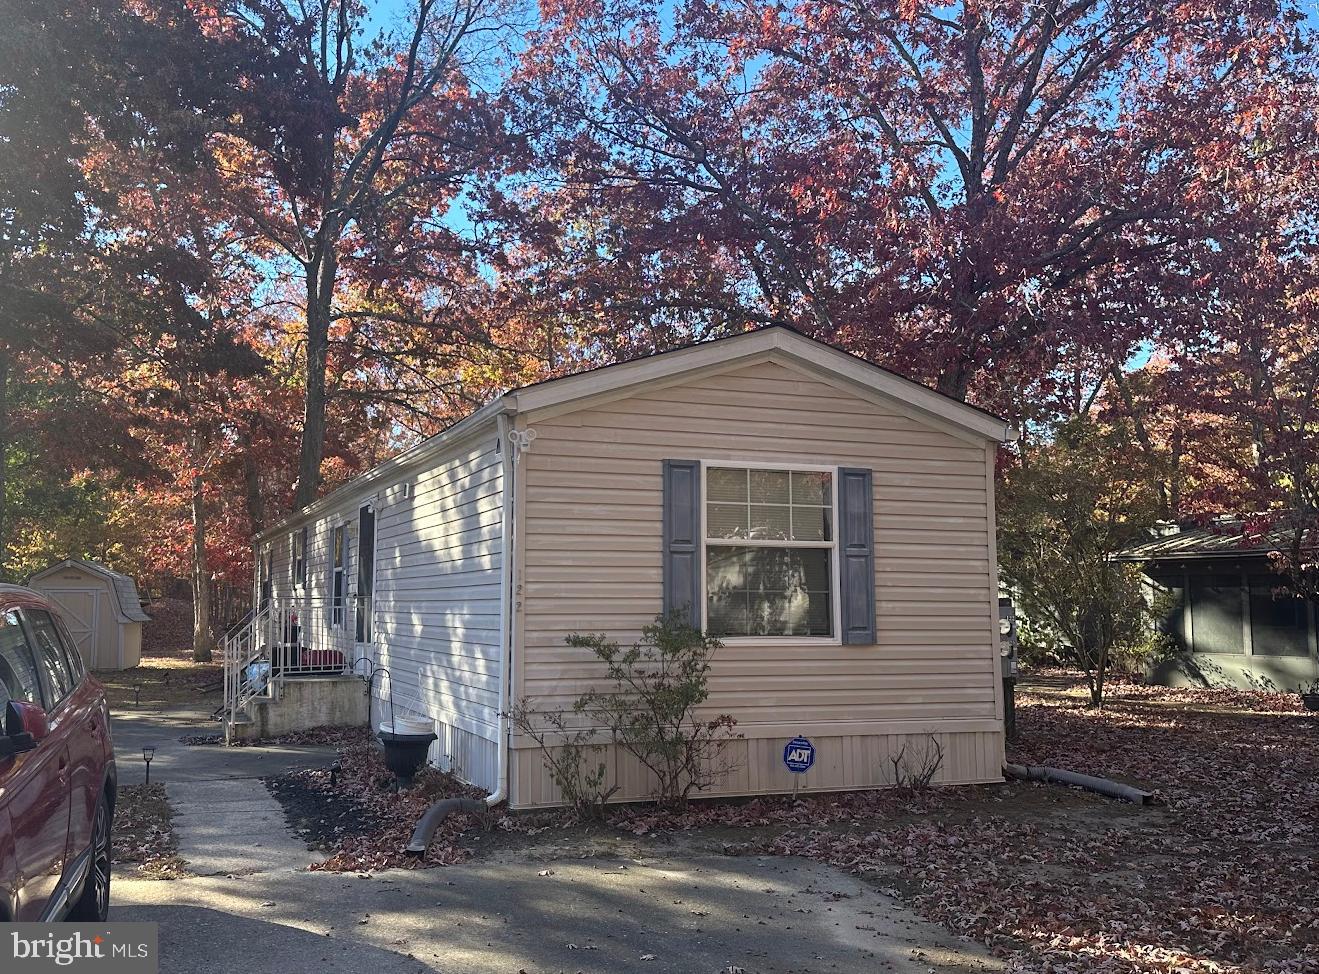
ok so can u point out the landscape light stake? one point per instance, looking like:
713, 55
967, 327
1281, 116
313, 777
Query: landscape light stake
148, 752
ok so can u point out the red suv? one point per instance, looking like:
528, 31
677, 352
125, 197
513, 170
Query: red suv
57, 771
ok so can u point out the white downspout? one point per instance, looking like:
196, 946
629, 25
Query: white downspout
507, 542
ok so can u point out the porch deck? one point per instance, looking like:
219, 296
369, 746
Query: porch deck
285, 640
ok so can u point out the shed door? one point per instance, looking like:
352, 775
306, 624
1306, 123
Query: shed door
78, 607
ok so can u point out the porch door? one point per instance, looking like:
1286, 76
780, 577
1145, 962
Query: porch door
267, 574
366, 570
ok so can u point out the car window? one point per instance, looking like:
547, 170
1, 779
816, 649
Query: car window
18, 670
48, 641
75, 658
54, 665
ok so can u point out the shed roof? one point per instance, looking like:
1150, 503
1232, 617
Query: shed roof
128, 602
1225, 538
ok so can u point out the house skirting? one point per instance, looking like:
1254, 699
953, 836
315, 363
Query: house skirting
843, 762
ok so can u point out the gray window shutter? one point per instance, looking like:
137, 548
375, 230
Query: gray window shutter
856, 555
682, 529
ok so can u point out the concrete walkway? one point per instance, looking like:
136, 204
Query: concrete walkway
225, 820
233, 827
175, 762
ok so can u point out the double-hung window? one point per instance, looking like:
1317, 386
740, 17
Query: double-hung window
771, 565
266, 576
338, 548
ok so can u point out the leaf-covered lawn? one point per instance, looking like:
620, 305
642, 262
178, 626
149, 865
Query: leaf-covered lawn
143, 835
163, 684
356, 815
1223, 876
167, 678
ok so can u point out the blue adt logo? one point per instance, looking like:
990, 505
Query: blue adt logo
798, 755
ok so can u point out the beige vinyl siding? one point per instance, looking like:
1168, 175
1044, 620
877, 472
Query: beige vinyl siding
591, 561
436, 607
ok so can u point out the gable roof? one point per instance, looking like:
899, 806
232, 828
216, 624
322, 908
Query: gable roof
774, 339
602, 381
128, 603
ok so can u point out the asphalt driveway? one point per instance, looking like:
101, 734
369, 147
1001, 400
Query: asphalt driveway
253, 907
663, 916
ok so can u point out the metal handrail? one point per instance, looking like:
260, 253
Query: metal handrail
296, 636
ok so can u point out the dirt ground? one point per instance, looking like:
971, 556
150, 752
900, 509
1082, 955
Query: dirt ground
167, 679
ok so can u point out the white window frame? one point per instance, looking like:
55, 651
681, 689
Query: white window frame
265, 572
835, 601
298, 538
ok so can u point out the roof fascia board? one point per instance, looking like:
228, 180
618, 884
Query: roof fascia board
1198, 556
82, 566
100, 571
410, 459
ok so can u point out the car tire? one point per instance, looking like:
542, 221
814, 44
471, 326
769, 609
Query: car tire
93, 905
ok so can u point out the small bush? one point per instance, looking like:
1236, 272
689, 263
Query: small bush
568, 757
916, 772
650, 710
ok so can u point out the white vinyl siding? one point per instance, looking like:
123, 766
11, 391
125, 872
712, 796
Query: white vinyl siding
437, 593
434, 624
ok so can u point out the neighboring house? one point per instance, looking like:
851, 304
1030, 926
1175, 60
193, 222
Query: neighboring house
101, 609
831, 522
1231, 622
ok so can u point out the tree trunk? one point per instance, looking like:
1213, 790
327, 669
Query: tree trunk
203, 642
1167, 509
320, 296
956, 371
955, 379
256, 504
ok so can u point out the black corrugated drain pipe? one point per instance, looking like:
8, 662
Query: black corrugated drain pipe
437, 813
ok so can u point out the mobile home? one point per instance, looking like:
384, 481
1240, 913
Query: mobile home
831, 522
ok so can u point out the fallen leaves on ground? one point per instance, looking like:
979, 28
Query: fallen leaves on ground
167, 678
1221, 877
143, 834
314, 737
355, 813
1224, 877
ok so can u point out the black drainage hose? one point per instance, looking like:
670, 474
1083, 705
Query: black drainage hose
437, 813
1102, 786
